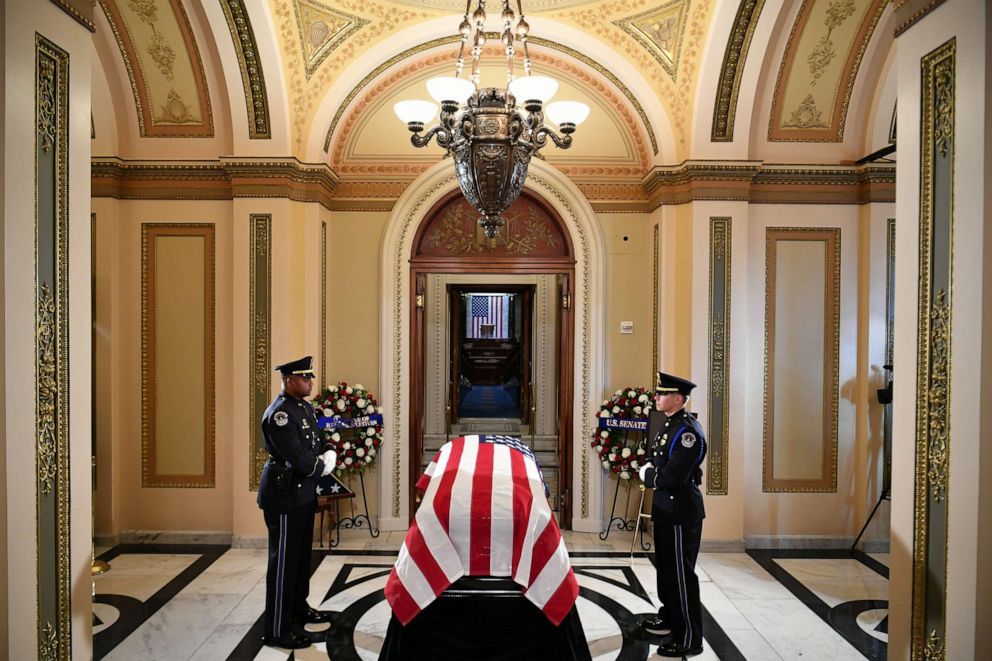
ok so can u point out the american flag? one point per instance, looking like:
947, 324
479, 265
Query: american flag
484, 513
490, 311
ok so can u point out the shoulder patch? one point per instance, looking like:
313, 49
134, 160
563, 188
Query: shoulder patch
281, 418
688, 439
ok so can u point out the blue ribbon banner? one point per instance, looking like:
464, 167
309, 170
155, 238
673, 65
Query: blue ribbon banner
633, 424
337, 422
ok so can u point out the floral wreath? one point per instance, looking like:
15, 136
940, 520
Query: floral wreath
357, 447
622, 451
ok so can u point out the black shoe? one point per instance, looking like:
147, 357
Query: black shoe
656, 626
674, 650
313, 616
289, 641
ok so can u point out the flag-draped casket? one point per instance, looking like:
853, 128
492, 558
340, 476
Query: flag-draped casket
484, 513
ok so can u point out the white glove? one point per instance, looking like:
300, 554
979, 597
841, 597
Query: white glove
330, 460
644, 469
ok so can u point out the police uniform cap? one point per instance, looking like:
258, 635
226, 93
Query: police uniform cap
667, 383
299, 367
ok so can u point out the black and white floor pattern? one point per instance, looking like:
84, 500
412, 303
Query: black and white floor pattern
197, 602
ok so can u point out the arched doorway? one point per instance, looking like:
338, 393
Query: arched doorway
499, 354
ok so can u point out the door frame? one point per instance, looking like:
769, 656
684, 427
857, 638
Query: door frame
564, 267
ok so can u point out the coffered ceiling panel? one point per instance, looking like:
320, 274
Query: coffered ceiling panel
163, 65
817, 73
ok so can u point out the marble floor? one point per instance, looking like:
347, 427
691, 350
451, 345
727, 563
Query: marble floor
205, 602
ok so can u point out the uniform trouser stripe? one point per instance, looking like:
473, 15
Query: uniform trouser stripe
683, 597
280, 576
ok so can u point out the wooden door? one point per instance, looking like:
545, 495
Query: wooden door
527, 396
456, 314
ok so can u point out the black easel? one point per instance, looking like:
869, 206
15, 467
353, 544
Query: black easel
622, 523
885, 398
354, 521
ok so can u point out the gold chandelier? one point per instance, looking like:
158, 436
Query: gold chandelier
490, 138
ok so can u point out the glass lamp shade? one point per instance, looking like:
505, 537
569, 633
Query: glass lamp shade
567, 112
537, 88
415, 111
449, 88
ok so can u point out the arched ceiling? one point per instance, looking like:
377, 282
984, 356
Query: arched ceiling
653, 72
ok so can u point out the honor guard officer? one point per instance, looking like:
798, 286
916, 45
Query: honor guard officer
287, 496
677, 511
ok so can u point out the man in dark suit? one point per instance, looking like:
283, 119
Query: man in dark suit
674, 472
287, 497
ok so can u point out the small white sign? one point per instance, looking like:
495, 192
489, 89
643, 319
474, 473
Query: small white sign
626, 327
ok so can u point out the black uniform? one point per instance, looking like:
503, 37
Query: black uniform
677, 512
287, 496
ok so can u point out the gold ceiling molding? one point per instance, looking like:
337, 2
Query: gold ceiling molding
80, 10
223, 179
659, 30
365, 189
911, 12
811, 95
530, 6
164, 67
252, 77
306, 91
322, 29
732, 69
449, 57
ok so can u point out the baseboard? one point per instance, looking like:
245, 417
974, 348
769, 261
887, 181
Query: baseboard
249, 542
721, 546
175, 537
106, 541
797, 542
875, 546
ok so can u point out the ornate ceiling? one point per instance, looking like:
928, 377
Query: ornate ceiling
316, 79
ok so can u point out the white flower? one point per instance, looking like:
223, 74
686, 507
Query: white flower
634, 464
340, 404
370, 431
624, 475
637, 409
335, 437
361, 403
625, 453
360, 452
606, 402
612, 457
369, 410
368, 442
642, 398
604, 414
606, 464
347, 445
359, 386
349, 390
327, 412
640, 452
605, 433
619, 392
372, 452
378, 409
333, 388
631, 394
368, 460
616, 409
347, 461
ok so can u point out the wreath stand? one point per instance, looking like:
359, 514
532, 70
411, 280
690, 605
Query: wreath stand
355, 520
621, 522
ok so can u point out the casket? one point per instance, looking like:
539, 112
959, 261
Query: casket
483, 572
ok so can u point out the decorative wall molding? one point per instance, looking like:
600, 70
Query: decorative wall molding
732, 69
259, 339
450, 56
826, 482
252, 77
911, 12
222, 179
659, 31
323, 303
80, 10
750, 181
718, 406
151, 326
51, 340
655, 298
934, 379
167, 117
